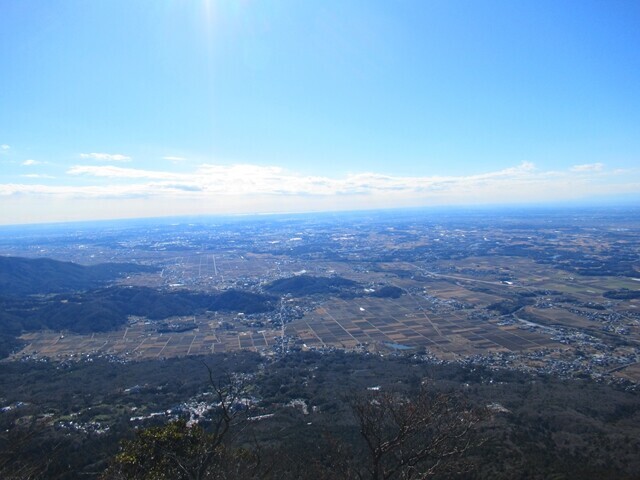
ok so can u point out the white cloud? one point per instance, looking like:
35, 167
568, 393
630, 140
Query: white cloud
174, 159
588, 167
108, 191
36, 175
509, 184
106, 157
4, 146
29, 163
92, 191
110, 171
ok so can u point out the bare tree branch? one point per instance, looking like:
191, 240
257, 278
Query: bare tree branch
413, 437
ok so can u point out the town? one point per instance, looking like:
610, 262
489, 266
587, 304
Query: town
540, 291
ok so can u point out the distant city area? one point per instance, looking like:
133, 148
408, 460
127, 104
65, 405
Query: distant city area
532, 290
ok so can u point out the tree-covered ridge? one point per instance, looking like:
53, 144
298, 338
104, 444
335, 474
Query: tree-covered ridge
83, 304
108, 308
388, 291
622, 294
27, 276
301, 285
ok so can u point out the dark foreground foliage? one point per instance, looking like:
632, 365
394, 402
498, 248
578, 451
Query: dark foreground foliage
401, 436
348, 412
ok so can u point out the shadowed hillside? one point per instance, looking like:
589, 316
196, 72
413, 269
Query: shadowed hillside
26, 276
107, 309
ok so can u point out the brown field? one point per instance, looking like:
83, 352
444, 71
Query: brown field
632, 372
557, 316
443, 310
406, 321
139, 341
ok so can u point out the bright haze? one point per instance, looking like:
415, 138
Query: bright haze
150, 108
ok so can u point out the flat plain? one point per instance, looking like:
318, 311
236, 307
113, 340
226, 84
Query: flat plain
527, 290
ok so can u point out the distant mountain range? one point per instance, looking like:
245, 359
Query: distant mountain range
28, 276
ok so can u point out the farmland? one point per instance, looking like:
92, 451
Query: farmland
523, 290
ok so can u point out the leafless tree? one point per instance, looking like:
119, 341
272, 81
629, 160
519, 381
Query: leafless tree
414, 437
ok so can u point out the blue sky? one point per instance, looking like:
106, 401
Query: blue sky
113, 109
